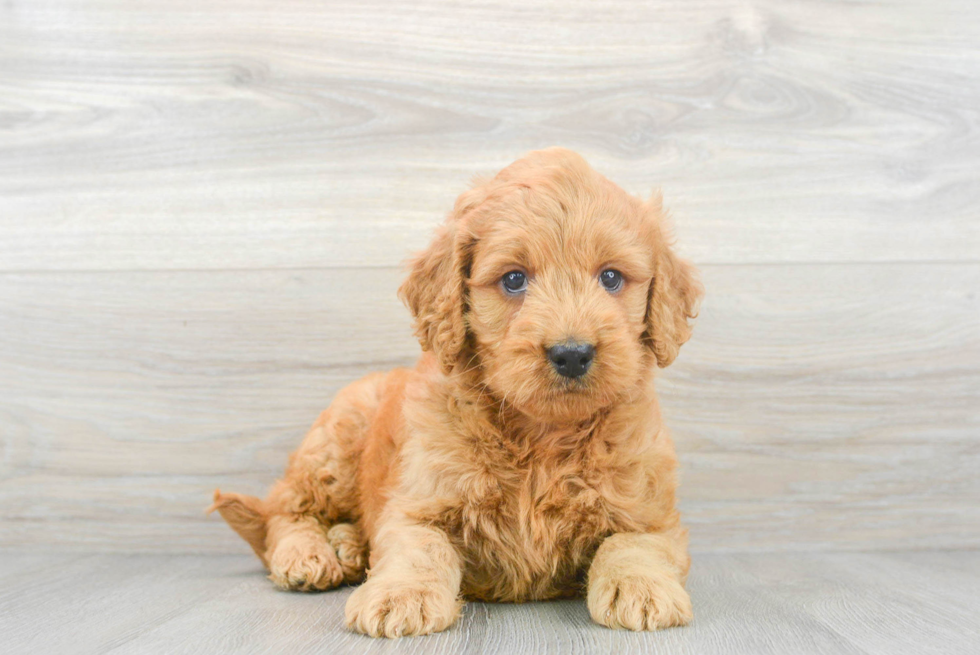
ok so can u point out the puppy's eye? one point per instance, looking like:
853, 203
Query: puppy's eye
611, 280
514, 282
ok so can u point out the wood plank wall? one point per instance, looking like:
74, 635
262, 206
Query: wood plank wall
204, 206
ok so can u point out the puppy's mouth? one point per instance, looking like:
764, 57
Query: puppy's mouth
580, 393
576, 387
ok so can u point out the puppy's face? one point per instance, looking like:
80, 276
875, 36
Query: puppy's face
554, 284
558, 292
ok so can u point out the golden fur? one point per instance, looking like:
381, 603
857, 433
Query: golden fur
482, 473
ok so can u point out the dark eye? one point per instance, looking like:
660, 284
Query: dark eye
514, 282
611, 279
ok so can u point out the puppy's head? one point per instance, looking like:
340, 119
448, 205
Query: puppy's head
555, 286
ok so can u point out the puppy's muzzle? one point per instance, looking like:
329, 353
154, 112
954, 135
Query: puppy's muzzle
571, 359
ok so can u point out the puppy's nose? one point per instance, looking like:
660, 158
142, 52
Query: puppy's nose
571, 359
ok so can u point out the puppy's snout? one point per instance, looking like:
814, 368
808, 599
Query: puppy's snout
571, 359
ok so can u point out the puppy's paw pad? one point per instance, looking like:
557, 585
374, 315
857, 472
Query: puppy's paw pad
639, 603
305, 565
395, 608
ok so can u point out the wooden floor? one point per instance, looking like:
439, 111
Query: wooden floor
890, 603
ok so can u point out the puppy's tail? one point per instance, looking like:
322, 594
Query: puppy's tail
246, 515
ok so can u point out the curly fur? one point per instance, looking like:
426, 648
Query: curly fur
481, 473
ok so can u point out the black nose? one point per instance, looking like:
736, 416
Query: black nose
571, 359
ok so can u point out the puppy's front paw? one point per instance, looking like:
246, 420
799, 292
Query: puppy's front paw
386, 607
639, 602
305, 562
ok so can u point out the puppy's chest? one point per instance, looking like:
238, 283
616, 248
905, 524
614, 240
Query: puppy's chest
529, 534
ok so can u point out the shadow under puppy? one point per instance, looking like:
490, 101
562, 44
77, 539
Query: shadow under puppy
524, 456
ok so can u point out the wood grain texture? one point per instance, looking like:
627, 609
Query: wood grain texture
911, 603
816, 406
247, 133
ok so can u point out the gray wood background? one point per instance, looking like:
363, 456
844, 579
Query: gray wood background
204, 207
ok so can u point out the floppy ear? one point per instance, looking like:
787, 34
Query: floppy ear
674, 296
435, 290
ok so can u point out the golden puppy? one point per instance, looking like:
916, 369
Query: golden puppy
524, 457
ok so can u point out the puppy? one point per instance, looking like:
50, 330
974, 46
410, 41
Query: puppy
524, 457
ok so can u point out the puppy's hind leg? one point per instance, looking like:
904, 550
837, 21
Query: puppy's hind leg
310, 541
305, 558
